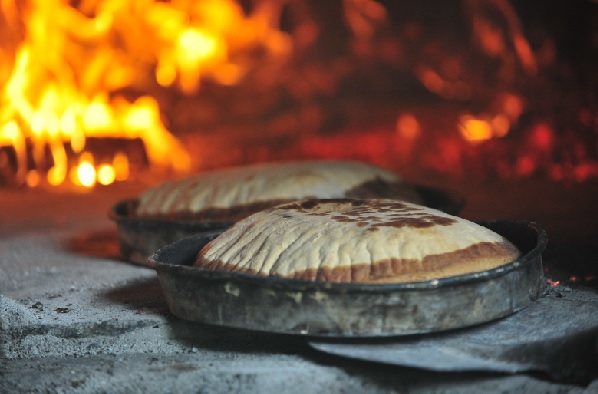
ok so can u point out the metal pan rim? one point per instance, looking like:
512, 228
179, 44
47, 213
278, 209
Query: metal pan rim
295, 284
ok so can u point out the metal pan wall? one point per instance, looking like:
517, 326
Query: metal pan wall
351, 310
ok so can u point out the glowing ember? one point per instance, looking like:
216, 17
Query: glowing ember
577, 279
553, 282
475, 130
408, 127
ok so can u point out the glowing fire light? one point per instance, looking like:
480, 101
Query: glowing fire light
576, 279
60, 79
475, 130
33, 178
86, 174
106, 174
408, 127
553, 282
120, 163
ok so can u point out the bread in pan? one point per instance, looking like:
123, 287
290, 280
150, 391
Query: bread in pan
234, 193
356, 241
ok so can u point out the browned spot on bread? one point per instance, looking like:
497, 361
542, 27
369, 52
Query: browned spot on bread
293, 205
416, 221
339, 217
306, 205
309, 204
396, 214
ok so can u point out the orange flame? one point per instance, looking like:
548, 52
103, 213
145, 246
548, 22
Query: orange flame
61, 77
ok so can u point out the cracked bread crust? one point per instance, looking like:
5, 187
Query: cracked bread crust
357, 241
234, 193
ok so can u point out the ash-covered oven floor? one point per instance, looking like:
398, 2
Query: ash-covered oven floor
75, 318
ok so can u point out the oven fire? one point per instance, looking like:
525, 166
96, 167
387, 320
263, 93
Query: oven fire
140, 72
69, 69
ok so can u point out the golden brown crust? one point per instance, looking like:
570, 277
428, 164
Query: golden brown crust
360, 241
476, 258
234, 193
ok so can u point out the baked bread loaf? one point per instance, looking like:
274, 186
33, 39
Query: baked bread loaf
234, 193
359, 241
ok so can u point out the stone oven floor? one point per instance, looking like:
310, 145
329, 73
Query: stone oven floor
75, 318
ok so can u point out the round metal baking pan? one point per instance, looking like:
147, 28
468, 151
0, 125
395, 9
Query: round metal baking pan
140, 237
351, 310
